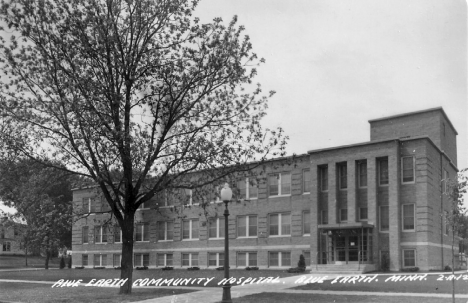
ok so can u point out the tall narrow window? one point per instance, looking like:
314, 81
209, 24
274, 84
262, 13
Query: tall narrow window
343, 176
100, 260
343, 215
85, 233
248, 188
84, 260
408, 217
246, 259
323, 172
324, 216
141, 260
383, 172
117, 234
188, 199
279, 259
306, 181
407, 170
384, 218
363, 214
306, 222
117, 260
100, 234
362, 170
280, 224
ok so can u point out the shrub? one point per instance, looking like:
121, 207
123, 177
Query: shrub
62, 263
410, 269
295, 270
220, 268
301, 263
99, 267
168, 268
141, 267
252, 268
117, 267
448, 268
193, 268
79, 267
69, 262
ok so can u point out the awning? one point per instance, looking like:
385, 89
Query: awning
345, 225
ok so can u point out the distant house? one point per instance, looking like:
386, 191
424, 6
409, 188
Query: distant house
11, 237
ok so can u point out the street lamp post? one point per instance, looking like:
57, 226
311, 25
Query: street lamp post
226, 196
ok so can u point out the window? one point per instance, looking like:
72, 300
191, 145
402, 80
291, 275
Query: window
446, 181
280, 184
323, 171
383, 172
84, 235
245, 259
100, 234
190, 259
306, 181
408, 217
188, 197
324, 217
407, 170
117, 260
141, 260
280, 224
142, 232
279, 259
164, 260
409, 258
84, 260
7, 246
100, 260
216, 259
306, 223
343, 176
216, 228
384, 218
362, 171
246, 226
117, 234
306, 255
363, 214
190, 229
343, 215
88, 205
248, 188
165, 231
447, 223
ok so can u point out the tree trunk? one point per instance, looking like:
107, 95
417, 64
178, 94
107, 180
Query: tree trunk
26, 254
453, 266
47, 260
126, 271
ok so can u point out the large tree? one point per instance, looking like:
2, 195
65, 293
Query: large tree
42, 198
136, 95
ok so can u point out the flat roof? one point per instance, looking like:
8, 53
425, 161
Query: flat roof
415, 113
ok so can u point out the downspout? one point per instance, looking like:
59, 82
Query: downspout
441, 212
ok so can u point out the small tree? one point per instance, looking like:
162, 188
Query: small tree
69, 263
62, 262
301, 263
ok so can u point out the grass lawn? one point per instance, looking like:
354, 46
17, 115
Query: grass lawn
299, 298
87, 274
431, 285
40, 293
19, 262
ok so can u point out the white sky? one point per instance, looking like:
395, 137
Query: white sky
337, 64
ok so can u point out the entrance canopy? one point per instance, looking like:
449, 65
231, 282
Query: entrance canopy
345, 225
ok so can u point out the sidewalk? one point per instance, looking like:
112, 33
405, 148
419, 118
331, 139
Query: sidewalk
213, 295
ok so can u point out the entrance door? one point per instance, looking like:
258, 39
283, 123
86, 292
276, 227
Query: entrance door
353, 248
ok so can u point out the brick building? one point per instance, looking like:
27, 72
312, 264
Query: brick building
11, 237
349, 208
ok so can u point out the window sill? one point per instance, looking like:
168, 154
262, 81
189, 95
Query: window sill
306, 235
143, 209
215, 238
247, 237
383, 185
384, 231
306, 193
165, 240
147, 241
408, 230
190, 239
279, 236
280, 196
